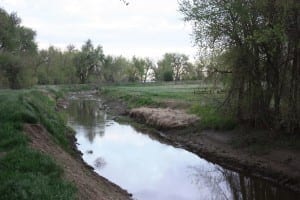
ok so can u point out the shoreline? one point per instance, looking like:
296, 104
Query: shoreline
90, 184
218, 152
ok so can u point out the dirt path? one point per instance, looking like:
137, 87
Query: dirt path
90, 185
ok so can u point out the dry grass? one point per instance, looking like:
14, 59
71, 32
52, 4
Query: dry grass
164, 118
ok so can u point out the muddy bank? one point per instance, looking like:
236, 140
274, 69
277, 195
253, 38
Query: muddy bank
280, 166
89, 184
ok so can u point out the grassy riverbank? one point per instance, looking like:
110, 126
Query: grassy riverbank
38, 159
202, 100
26, 173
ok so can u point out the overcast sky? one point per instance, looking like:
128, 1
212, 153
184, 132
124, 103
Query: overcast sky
143, 28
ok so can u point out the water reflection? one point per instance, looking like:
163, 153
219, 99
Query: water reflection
151, 170
88, 116
99, 163
227, 184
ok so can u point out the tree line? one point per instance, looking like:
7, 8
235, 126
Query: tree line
258, 42
23, 65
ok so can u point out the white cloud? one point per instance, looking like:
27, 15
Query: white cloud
144, 28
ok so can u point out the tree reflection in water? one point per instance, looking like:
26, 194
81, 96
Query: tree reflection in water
100, 163
226, 184
89, 114
213, 182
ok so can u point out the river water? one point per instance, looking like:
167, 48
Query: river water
151, 170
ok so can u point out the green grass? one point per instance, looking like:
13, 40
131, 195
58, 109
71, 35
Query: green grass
71, 88
26, 173
44, 111
213, 118
158, 94
11, 136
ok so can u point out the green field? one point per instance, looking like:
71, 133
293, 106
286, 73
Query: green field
161, 92
200, 99
26, 173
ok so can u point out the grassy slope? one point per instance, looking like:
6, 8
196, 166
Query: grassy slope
26, 173
203, 105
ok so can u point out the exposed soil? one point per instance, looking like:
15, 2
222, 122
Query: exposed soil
280, 166
163, 118
90, 185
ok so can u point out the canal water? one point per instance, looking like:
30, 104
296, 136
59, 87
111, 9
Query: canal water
151, 170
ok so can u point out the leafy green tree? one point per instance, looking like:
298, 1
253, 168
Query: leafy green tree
15, 38
167, 76
164, 66
172, 63
88, 60
143, 67
132, 73
192, 72
56, 67
16, 46
148, 70
11, 66
114, 69
138, 69
179, 65
199, 70
261, 41
139, 65
69, 69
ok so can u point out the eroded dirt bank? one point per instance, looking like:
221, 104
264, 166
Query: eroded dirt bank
89, 184
280, 166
